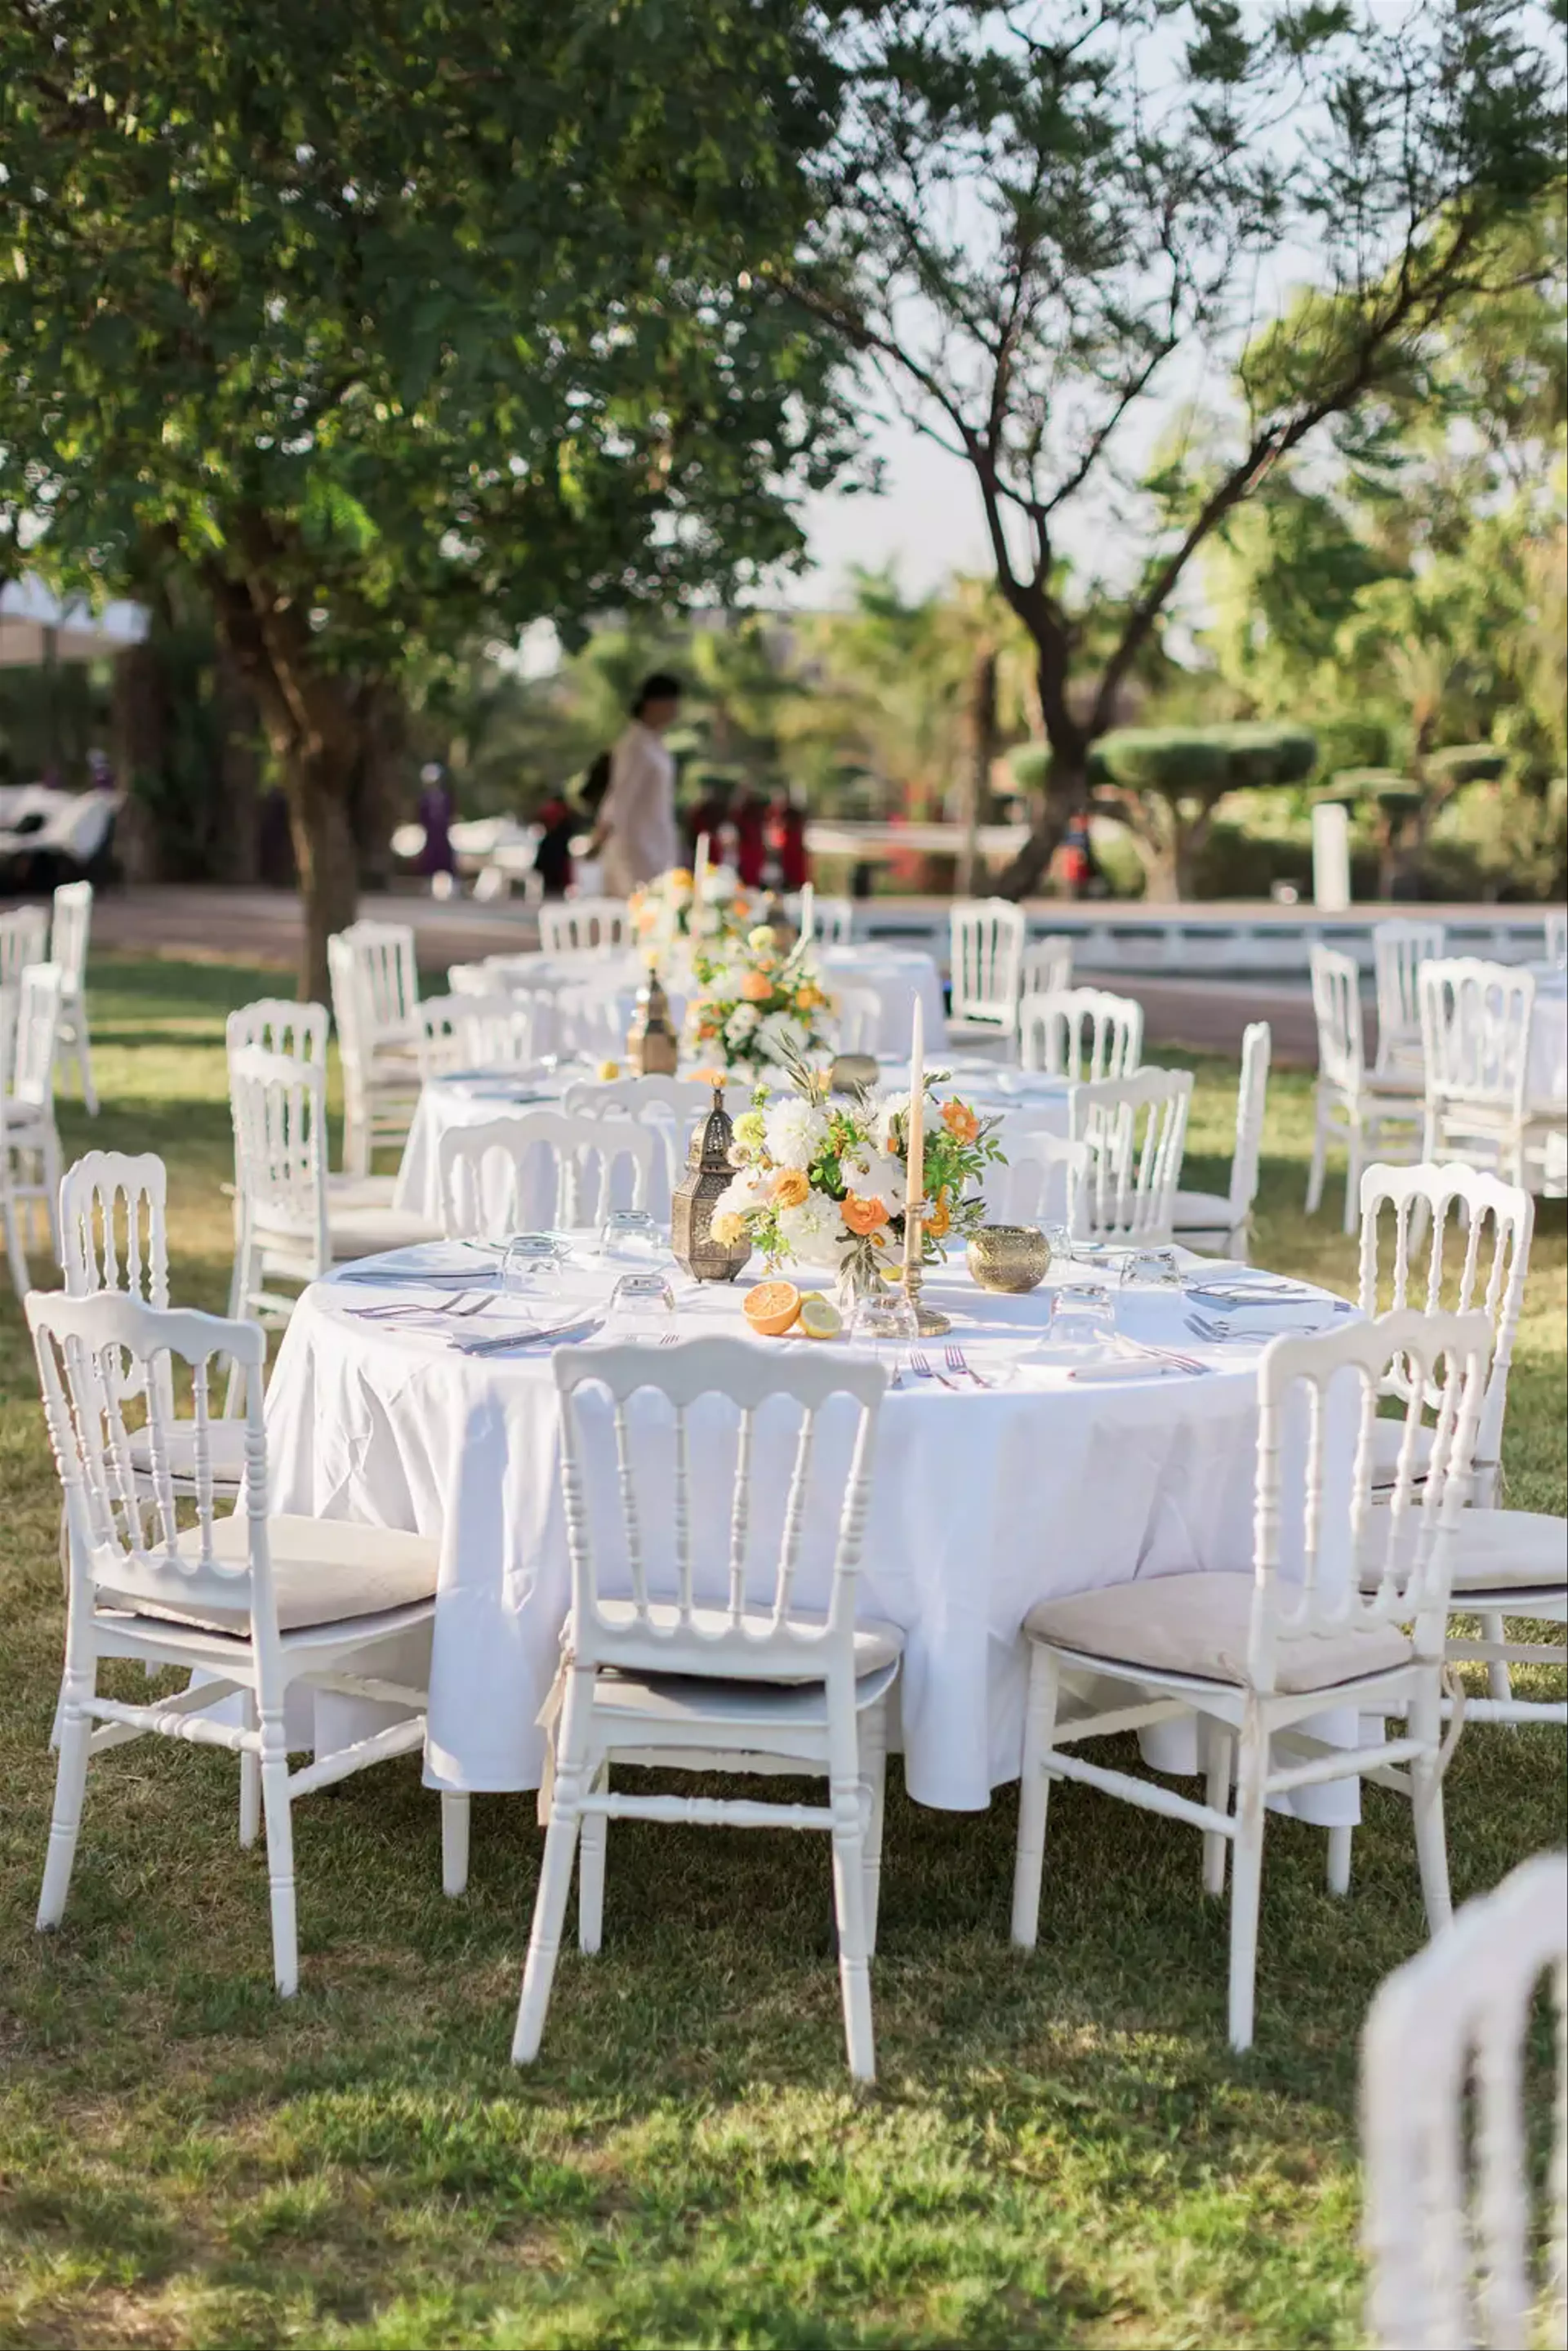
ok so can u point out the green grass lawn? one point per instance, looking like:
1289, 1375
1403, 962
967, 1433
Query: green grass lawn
1061, 2149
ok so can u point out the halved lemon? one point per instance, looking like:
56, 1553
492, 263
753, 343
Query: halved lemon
819, 1317
771, 1307
608, 1069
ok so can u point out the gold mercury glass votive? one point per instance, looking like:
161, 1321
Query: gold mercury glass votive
1011, 1258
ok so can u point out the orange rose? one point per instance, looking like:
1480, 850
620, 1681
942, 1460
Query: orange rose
708, 1077
864, 1216
960, 1121
941, 1218
756, 988
791, 1186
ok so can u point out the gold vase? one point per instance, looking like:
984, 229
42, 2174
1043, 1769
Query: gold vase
708, 1173
651, 1046
1007, 1258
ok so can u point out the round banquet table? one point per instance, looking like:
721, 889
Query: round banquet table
588, 1000
985, 1500
1022, 1102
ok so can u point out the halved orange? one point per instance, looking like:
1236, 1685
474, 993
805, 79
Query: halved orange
770, 1307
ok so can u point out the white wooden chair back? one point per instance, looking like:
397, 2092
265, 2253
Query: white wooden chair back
475, 979
1046, 1175
857, 1018
1083, 1033
1251, 1105
1475, 1035
1045, 967
280, 1024
483, 1170
40, 1000
832, 919
114, 1226
388, 983
1136, 1131
1493, 1223
23, 939
1556, 929
688, 1099
93, 1353
1455, 2253
986, 949
1337, 1005
741, 1616
279, 1107
472, 1031
1329, 1507
573, 925
69, 932
1399, 948
347, 1016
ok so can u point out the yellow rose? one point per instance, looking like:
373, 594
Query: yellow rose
608, 1069
728, 1229
791, 1186
760, 938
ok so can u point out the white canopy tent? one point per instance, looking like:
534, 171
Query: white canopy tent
37, 630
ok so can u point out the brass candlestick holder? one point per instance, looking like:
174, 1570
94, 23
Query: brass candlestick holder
929, 1321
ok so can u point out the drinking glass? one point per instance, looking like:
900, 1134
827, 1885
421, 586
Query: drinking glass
1151, 1269
1083, 1320
886, 1329
631, 1236
531, 1261
641, 1306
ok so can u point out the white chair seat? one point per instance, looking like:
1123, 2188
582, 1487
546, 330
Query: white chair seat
1198, 1624
365, 1232
1494, 1551
1202, 1212
226, 1451
646, 1699
324, 1572
345, 1191
875, 1644
19, 1117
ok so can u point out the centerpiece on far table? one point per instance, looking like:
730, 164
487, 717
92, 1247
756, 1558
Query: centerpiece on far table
682, 907
753, 1007
825, 1180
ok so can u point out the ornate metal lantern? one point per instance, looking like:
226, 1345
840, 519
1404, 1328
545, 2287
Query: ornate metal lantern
651, 1046
708, 1173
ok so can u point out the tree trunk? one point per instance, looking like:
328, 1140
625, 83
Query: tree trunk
383, 726
325, 854
236, 845
1066, 790
977, 772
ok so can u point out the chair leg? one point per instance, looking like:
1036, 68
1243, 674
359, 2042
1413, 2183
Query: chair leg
556, 1875
84, 1061
1355, 1151
1217, 1796
70, 1786
1427, 1793
1340, 1842
874, 1770
279, 1852
849, 1908
1247, 1876
454, 1827
592, 1854
1034, 1793
1498, 1684
49, 1157
1319, 1166
16, 1252
250, 1773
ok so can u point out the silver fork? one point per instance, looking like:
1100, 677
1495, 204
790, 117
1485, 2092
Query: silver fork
461, 1308
953, 1356
924, 1369
1162, 1354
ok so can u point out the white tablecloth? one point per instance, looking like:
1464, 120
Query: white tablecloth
1549, 1037
984, 1502
593, 997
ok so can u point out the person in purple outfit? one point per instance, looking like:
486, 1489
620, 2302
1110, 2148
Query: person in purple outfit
436, 812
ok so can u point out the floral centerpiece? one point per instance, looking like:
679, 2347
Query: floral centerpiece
753, 1007
671, 910
823, 1181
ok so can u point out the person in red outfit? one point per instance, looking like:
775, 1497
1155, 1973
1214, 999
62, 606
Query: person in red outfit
748, 817
788, 827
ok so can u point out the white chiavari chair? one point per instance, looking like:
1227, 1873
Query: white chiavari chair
1136, 1131
29, 1139
1476, 1021
114, 1234
376, 1009
576, 925
249, 1603
288, 1225
23, 939
832, 919
486, 1185
1455, 2253
857, 1017
743, 1655
1083, 1033
468, 1030
1045, 1180
1045, 967
986, 951
1221, 1221
68, 935
1370, 1111
280, 1024
671, 1107
1399, 948
1556, 930
1254, 1656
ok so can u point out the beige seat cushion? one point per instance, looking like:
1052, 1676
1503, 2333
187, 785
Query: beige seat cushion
1497, 1550
226, 1451
1202, 1212
1198, 1624
324, 1572
1386, 1438
365, 1232
345, 1191
875, 1644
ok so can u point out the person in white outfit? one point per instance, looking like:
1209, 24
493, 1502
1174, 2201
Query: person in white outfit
636, 832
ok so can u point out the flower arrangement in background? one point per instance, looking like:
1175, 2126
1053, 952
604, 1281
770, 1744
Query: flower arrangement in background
668, 911
823, 1181
752, 1007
